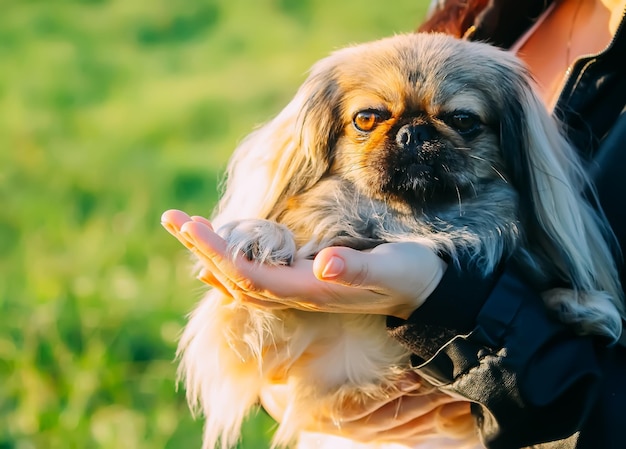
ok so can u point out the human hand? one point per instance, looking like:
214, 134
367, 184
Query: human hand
391, 279
408, 416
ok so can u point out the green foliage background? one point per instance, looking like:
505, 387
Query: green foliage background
112, 111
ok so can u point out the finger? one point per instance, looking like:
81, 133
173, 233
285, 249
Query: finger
457, 420
390, 423
232, 273
209, 278
213, 253
213, 250
212, 273
456, 417
424, 424
410, 424
399, 407
356, 408
175, 222
402, 410
455, 409
172, 221
202, 220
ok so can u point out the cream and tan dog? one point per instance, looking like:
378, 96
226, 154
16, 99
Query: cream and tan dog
418, 137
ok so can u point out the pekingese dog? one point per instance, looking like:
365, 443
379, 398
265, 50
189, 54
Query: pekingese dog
417, 137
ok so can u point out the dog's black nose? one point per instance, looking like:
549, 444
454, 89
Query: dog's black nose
411, 137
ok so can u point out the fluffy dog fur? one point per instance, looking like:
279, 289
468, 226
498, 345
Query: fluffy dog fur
418, 137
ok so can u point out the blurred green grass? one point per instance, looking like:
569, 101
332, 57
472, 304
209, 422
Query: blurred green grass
110, 113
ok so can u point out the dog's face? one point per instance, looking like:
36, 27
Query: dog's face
417, 118
411, 137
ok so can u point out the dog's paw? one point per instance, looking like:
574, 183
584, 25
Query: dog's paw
259, 240
586, 312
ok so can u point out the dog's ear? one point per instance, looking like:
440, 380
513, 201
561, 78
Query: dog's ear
555, 190
287, 155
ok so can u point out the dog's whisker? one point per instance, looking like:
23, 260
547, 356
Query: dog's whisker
473, 186
491, 166
458, 195
499, 173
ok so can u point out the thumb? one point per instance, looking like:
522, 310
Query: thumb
344, 266
405, 269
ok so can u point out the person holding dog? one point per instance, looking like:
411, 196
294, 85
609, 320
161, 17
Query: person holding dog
520, 377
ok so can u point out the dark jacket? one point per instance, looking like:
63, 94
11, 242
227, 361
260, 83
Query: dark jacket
533, 381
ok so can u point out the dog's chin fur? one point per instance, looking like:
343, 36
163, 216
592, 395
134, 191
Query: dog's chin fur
504, 186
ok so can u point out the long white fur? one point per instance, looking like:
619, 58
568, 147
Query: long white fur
230, 351
580, 232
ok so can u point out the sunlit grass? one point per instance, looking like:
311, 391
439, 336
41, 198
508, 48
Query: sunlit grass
110, 113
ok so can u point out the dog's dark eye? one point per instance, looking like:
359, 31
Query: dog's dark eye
465, 123
367, 120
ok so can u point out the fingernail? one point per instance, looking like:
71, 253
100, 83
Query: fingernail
333, 268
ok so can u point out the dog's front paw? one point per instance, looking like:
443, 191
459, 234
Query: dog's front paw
263, 241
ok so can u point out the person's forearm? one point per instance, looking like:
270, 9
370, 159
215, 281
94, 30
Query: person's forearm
531, 379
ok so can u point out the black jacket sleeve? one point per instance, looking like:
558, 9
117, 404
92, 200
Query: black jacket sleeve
530, 378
